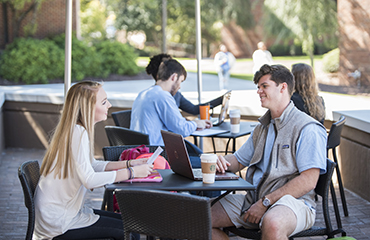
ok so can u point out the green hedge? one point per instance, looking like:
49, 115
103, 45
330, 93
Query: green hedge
118, 58
330, 61
31, 61
86, 62
38, 61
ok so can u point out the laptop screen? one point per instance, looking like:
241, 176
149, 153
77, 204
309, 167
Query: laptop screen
225, 106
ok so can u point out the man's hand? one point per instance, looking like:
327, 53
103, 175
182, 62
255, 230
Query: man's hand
202, 124
222, 164
255, 212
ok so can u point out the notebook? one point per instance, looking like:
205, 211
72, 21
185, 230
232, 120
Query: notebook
155, 176
225, 106
179, 159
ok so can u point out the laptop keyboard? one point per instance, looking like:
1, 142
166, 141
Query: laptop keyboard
197, 173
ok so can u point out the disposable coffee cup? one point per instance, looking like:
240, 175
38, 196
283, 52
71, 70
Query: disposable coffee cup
204, 111
208, 162
234, 120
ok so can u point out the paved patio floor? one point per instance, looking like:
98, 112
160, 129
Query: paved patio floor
13, 213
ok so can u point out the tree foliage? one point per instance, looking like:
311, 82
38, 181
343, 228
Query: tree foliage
146, 15
93, 16
31, 61
304, 21
20, 9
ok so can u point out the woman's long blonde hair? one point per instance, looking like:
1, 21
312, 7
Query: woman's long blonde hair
79, 108
307, 88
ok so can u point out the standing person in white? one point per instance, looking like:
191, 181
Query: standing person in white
261, 56
69, 171
224, 61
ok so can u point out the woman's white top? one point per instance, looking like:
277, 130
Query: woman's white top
59, 203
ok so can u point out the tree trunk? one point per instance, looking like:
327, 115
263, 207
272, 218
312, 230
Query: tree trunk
19, 15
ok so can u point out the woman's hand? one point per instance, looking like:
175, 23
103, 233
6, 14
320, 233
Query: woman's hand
137, 162
142, 170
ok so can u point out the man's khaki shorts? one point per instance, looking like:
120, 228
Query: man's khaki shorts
305, 214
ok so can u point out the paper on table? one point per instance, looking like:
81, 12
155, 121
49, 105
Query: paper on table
208, 132
155, 155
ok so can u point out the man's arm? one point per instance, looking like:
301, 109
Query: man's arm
297, 187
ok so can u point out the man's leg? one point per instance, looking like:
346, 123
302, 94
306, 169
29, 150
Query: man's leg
219, 219
278, 223
226, 79
221, 79
287, 217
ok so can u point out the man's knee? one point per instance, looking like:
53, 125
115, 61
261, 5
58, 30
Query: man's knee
270, 225
279, 221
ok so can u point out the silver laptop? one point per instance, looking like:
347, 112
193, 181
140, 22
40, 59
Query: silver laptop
179, 159
225, 106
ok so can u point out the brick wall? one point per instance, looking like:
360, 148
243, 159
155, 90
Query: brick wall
50, 20
354, 40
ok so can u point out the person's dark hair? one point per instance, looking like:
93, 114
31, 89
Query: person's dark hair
169, 67
155, 61
279, 74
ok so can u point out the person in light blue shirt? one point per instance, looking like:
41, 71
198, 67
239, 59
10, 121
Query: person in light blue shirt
181, 102
155, 109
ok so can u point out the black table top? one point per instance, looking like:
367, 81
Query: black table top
245, 129
175, 182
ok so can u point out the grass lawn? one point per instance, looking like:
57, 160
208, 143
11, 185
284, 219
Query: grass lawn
240, 76
247, 76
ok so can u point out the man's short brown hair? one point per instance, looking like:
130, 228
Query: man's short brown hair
279, 74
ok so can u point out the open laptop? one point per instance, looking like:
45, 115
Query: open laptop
179, 159
225, 106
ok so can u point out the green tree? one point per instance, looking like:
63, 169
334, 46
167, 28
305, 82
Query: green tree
20, 9
139, 15
304, 21
145, 15
93, 16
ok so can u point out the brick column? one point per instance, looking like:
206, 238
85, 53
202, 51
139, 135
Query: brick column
354, 40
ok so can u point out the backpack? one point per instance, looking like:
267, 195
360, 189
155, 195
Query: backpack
135, 153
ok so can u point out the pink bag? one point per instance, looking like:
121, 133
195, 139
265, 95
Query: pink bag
128, 154
133, 153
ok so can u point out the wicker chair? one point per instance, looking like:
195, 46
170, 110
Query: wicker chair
29, 175
122, 118
322, 189
165, 214
333, 142
124, 136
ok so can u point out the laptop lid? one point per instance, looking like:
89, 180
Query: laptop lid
178, 157
224, 108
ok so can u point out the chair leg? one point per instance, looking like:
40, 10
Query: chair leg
195, 141
340, 183
227, 146
335, 205
214, 146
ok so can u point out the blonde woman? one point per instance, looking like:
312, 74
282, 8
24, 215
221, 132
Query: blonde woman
69, 171
306, 97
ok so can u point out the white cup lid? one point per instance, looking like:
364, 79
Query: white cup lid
234, 113
208, 157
